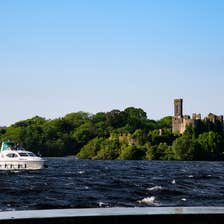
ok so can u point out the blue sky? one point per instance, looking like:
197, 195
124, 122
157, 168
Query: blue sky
58, 57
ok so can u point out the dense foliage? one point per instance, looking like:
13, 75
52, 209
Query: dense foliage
127, 134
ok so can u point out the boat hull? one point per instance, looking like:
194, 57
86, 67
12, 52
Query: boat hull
22, 165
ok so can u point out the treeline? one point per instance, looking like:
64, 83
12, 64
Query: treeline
127, 134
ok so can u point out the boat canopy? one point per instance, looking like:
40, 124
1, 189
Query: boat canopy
6, 145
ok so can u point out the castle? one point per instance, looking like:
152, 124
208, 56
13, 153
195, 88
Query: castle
180, 121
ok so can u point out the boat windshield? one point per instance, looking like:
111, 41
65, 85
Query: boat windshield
7, 145
27, 154
23, 154
31, 154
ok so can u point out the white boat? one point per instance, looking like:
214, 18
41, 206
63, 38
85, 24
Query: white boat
14, 157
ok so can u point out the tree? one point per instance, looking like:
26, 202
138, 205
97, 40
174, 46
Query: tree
159, 152
139, 136
118, 134
212, 146
158, 136
89, 151
33, 121
84, 133
136, 113
132, 152
115, 118
77, 119
110, 149
165, 122
184, 148
99, 117
136, 118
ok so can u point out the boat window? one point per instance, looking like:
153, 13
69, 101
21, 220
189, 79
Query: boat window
11, 155
31, 154
23, 154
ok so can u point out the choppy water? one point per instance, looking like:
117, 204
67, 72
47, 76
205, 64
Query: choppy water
71, 183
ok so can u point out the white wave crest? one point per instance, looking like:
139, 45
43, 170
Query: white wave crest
102, 204
155, 188
149, 201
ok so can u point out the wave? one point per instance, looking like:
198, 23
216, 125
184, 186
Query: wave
92, 184
102, 204
155, 188
149, 201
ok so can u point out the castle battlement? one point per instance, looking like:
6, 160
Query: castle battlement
180, 121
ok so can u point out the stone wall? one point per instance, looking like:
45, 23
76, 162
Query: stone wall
180, 121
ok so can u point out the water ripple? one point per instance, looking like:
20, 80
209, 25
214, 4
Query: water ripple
71, 183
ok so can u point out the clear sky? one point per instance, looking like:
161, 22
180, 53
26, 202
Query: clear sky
62, 56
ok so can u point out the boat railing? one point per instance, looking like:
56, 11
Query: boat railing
149, 215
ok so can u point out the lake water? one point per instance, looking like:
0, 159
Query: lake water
71, 183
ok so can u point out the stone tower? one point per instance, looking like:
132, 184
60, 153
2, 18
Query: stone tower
180, 121
178, 124
178, 108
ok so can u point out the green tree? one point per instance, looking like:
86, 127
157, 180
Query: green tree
110, 149
132, 152
184, 148
84, 133
139, 136
165, 122
99, 117
211, 145
89, 151
115, 118
136, 118
159, 152
75, 120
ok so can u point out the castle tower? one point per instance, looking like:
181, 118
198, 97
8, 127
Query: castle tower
178, 107
178, 119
